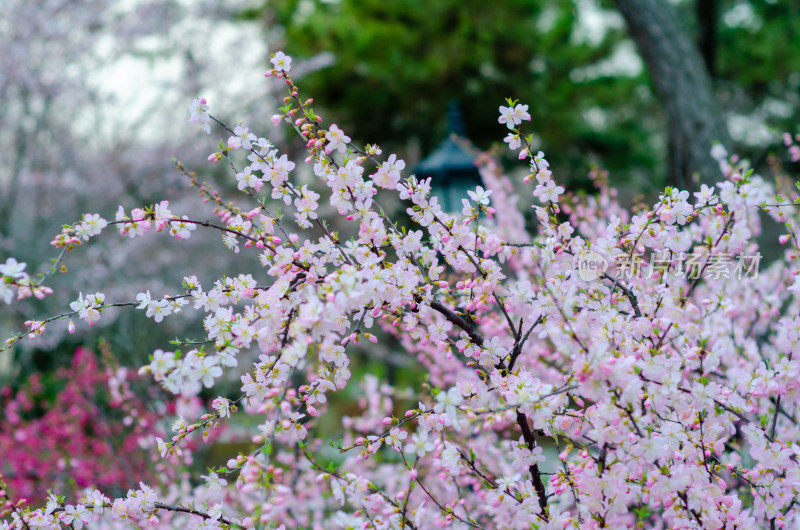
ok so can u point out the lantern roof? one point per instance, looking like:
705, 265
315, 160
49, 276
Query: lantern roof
449, 158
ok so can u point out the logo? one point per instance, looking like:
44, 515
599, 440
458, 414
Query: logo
591, 265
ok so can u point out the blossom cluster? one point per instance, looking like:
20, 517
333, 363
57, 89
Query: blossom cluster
15, 282
77, 441
552, 399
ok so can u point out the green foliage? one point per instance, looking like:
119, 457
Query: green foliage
398, 64
759, 47
759, 52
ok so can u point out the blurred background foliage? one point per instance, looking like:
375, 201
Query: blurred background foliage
398, 63
757, 70
94, 107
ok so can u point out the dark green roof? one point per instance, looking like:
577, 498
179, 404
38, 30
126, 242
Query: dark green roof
448, 158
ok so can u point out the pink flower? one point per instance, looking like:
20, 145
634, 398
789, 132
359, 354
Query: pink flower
336, 140
513, 116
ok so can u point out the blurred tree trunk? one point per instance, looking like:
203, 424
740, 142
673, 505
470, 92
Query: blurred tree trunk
684, 86
707, 11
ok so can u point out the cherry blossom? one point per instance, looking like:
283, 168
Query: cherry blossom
337, 140
658, 391
198, 111
281, 62
514, 115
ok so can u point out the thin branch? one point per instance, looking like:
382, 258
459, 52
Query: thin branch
451, 316
626, 291
536, 475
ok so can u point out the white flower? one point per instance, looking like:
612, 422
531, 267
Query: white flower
246, 179
447, 402
508, 481
92, 225
80, 304
281, 62
298, 429
161, 364
521, 113
162, 447
158, 309
209, 371
514, 116
704, 195
52, 504
98, 501
77, 516
199, 114
337, 140
242, 137
395, 438
507, 117
451, 459
480, 195
179, 424
215, 483
513, 141
419, 445
143, 299
222, 406
13, 269
548, 191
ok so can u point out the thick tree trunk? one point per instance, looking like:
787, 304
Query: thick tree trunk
684, 86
